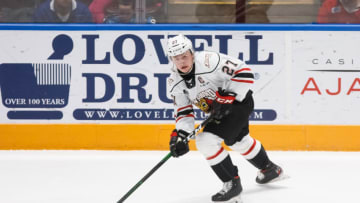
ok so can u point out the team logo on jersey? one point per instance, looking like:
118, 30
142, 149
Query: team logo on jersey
208, 93
204, 100
204, 104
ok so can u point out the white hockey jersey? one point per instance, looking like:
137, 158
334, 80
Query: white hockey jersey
212, 71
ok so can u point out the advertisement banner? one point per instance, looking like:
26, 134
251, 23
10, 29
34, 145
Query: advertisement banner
325, 78
119, 76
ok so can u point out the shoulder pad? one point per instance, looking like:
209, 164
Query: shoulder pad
206, 61
225, 58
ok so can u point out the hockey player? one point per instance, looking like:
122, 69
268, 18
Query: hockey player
220, 85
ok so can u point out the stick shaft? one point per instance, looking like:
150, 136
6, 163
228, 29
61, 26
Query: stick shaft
167, 157
145, 178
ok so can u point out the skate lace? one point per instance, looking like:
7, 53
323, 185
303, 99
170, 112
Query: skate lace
261, 174
226, 187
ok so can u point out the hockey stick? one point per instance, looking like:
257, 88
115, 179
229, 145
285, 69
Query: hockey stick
191, 135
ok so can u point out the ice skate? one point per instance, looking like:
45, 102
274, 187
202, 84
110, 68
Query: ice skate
230, 192
271, 173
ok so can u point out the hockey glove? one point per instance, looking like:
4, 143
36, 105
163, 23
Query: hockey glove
178, 146
222, 105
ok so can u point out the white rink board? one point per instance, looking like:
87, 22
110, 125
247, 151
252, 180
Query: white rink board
288, 65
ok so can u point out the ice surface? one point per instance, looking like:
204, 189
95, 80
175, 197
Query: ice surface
105, 176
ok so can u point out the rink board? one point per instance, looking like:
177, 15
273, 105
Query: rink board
156, 137
104, 86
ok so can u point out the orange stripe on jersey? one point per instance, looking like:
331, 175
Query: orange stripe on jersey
243, 69
246, 81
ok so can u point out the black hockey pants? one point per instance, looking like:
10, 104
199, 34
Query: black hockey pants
235, 126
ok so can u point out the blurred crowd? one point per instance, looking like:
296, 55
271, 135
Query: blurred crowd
339, 11
156, 11
77, 11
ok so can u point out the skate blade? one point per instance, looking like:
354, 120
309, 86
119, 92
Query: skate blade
236, 199
281, 177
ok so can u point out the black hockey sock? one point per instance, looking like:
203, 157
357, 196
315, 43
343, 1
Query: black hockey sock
261, 159
225, 170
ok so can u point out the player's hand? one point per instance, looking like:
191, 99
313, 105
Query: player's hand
178, 146
222, 104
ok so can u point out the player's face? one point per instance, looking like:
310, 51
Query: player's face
184, 62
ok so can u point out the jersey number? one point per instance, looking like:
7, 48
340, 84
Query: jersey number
226, 69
